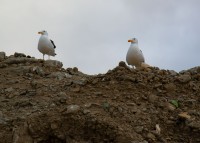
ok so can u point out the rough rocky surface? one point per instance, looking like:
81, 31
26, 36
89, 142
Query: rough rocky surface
50, 104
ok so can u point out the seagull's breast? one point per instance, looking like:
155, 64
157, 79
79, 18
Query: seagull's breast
134, 56
45, 46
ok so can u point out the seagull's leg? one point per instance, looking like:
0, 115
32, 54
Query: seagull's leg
43, 56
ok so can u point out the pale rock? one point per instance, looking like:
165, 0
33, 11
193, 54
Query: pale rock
53, 63
37, 70
58, 75
184, 78
72, 109
2, 56
10, 89
170, 87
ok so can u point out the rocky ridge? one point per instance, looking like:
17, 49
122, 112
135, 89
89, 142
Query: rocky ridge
41, 102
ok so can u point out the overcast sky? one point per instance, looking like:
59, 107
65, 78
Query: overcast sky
92, 34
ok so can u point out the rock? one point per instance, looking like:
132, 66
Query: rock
86, 111
138, 129
10, 89
34, 84
170, 87
145, 65
151, 136
122, 64
75, 69
68, 75
184, 115
3, 120
158, 129
72, 109
172, 72
19, 54
53, 63
158, 85
2, 56
19, 60
98, 93
170, 107
21, 135
195, 125
76, 89
80, 82
38, 70
58, 75
184, 78
194, 70
152, 98
54, 126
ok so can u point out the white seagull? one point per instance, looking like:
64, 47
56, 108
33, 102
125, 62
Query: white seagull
46, 45
134, 55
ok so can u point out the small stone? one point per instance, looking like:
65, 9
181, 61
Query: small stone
151, 136
194, 125
172, 72
170, 107
68, 75
122, 64
145, 66
10, 89
87, 105
80, 82
72, 109
158, 129
19, 54
152, 98
158, 85
76, 89
86, 111
54, 126
58, 75
33, 84
95, 81
75, 69
2, 56
138, 129
170, 87
98, 93
184, 115
53, 63
38, 70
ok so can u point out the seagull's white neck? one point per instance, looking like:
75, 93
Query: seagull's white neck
46, 34
134, 44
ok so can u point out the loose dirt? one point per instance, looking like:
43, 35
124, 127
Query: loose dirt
41, 102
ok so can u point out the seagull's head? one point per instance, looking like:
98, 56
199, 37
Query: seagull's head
43, 32
133, 40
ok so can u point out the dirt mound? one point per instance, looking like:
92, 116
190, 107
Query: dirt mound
41, 102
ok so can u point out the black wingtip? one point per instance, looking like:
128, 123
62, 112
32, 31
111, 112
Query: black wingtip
53, 44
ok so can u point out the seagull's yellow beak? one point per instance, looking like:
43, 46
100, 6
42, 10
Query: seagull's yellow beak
39, 32
130, 40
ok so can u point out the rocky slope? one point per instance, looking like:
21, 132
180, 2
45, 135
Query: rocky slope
41, 102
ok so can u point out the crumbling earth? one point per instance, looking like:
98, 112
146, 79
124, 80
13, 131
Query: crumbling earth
41, 102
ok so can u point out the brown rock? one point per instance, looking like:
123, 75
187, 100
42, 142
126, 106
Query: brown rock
184, 78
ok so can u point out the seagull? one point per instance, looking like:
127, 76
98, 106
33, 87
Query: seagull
46, 45
134, 55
